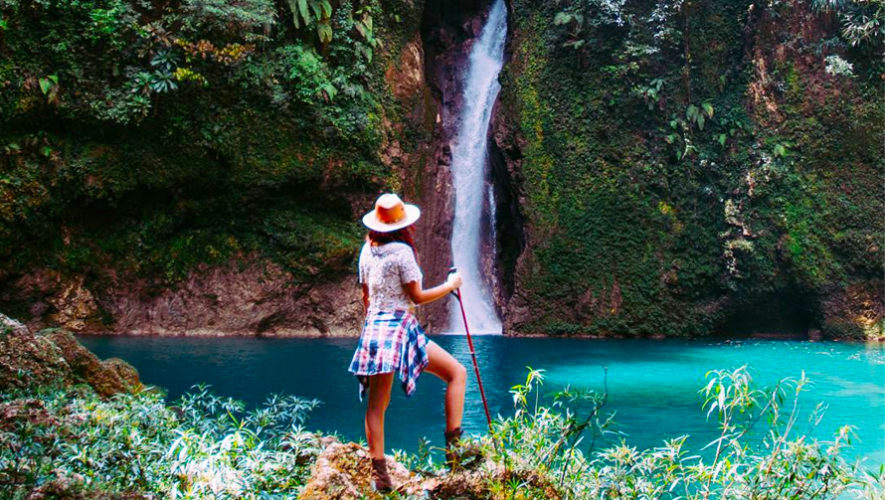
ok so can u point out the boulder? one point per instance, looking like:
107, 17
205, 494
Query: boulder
29, 360
107, 378
344, 471
11, 326
54, 357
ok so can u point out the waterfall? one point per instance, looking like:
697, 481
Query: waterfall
469, 172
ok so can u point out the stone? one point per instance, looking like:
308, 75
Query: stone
75, 307
855, 312
344, 471
11, 326
104, 377
29, 360
126, 372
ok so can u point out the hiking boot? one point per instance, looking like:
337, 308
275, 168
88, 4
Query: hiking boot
458, 453
380, 478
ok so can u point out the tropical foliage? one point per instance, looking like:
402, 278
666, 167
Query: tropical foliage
184, 130
68, 441
205, 446
760, 453
689, 164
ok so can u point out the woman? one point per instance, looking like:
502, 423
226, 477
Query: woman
392, 342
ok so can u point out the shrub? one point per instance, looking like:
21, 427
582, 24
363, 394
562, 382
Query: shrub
784, 464
203, 447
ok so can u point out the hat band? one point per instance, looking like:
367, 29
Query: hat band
391, 215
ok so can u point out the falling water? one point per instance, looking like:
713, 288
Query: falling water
469, 167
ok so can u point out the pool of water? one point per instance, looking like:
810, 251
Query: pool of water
652, 384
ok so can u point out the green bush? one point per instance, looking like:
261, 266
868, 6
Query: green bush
759, 453
203, 447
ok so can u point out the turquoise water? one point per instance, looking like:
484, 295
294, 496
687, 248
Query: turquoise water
653, 385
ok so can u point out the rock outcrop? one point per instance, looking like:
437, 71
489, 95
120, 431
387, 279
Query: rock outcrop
54, 357
344, 471
27, 359
247, 296
856, 312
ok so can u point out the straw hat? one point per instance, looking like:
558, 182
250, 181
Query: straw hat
390, 214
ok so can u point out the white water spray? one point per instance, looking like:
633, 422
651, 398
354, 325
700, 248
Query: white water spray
469, 167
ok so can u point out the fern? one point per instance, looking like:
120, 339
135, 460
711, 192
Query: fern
305, 12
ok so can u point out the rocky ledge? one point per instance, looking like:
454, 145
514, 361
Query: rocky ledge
344, 471
248, 296
54, 357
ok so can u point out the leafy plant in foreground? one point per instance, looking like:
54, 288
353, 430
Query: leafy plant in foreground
782, 464
205, 447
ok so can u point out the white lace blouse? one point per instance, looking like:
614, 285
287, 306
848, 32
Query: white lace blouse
385, 269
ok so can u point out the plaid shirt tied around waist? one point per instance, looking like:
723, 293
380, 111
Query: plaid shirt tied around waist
390, 342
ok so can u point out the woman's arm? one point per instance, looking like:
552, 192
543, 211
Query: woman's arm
420, 295
365, 288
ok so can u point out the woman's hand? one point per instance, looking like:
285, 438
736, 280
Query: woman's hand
454, 281
421, 295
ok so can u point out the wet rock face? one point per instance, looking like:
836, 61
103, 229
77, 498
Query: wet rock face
856, 312
260, 299
504, 158
251, 296
448, 30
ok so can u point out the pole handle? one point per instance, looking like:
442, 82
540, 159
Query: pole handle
456, 292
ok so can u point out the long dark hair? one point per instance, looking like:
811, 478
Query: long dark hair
403, 235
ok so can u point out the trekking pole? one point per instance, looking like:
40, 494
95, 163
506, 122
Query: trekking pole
482, 393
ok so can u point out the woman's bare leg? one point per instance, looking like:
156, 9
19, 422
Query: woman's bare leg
379, 398
453, 373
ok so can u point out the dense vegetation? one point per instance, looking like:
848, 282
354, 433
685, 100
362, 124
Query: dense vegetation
69, 443
692, 164
682, 167
152, 136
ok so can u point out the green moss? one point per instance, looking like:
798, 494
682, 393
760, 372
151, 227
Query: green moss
690, 219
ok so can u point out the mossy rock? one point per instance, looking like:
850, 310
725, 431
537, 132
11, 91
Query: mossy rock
29, 360
107, 378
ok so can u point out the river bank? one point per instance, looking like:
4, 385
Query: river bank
64, 429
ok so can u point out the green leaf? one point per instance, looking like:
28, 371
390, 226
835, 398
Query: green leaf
329, 90
324, 30
562, 18
708, 108
304, 10
317, 9
721, 139
701, 122
691, 112
780, 150
45, 85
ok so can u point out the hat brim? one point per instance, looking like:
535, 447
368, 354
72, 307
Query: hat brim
413, 213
